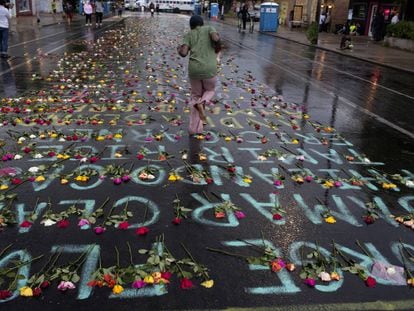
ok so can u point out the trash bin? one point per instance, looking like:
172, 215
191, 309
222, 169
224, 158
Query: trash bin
197, 9
269, 15
214, 11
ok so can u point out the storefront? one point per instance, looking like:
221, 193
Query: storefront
363, 12
24, 7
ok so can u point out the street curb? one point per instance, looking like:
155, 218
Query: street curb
329, 50
339, 52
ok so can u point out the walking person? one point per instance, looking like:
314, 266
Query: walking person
88, 10
152, 8
244, 15
5, 17
69, 12
120, 9
201, 43
378, 26
98, 13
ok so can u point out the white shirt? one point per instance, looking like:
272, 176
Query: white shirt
5, 15
395, 19
87, 8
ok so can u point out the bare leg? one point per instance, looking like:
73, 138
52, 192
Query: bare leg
196, 124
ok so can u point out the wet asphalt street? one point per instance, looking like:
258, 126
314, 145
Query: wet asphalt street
306, 152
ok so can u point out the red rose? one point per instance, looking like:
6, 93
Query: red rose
64, 223
186, 283
26, 224
37, 291
369, 219
166, 275
142, 231
370, 282
277, 216
123, 225
44, 284
176, 221
4, 294
16, 181
140, 156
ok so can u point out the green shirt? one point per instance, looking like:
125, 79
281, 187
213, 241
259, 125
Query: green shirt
203, 62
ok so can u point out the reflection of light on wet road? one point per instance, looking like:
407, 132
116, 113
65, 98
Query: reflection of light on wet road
373, 89
320, 68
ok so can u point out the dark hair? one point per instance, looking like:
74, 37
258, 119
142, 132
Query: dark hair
195, 21
3, 2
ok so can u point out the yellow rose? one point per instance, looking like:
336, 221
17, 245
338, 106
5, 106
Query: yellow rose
208, 284
247, 180
227, 138
330, 220
118, 155
53, 135
40, 178
335, 276
64, 181
26, 291
117, 135
172, 178
295, 141
149, 279
100, 138
117, 289
4, 187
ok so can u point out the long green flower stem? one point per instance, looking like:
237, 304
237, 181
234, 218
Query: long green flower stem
215, 250
5, 249
23, 264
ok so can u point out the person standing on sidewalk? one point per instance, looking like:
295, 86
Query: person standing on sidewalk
98, 13
378, 26
202, 43
68, 8
5, 17
88, 10
244, 15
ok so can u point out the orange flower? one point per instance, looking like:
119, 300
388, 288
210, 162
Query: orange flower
275, 266
220, 215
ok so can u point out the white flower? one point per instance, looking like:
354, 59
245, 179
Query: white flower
391, 271
62, 139
38, 156
366, 160
409, 183
33, 136
83, 160
17, 157
22, 139
150, 176
281, 158
325, 276
184, 156
33, 169
47, 222
261, 158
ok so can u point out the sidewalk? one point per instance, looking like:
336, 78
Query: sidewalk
364, 47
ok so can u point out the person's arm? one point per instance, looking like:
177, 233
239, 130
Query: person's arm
183, 50
215, 36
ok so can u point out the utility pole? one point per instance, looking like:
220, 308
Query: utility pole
318, 11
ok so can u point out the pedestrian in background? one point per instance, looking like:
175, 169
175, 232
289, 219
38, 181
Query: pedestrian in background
5, 17
120, 7
322, 19
152, 8
88, 10
378, 26
53, 6
201, 43
69, 11
244, 15
327, 23
98, 13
